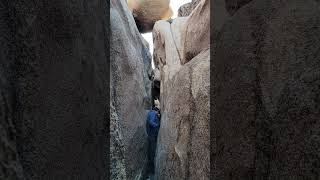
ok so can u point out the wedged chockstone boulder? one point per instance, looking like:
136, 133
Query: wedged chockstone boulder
266, 90
53, 84
147, 12
130, 92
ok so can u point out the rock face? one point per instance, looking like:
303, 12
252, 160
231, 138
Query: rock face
117, 149
220, 15
147, 12
186, 9
130, 92
266, 87
195, 3
196, 37
167, 46
183, 142
53, 80
10, 165
233, 5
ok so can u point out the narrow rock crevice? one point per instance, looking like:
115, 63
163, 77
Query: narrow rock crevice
184, 131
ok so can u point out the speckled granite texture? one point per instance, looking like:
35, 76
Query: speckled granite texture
53, 85
266, 92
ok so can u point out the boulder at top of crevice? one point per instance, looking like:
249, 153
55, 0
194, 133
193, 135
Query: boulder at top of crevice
147, 12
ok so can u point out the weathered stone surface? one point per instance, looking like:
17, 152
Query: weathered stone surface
196, 37
185, 10
156, 73
10, 166
219, 16
195, 3
147, 12
53, 80
266, 91
167, 45
232, 6
183, 142
220, 13
117, 157
130, 88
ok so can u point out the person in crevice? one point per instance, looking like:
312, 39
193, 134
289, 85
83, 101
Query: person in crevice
153, 125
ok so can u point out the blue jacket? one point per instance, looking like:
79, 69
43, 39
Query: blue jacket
152, 124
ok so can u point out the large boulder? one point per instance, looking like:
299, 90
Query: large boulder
147, 12
196, 35
266, 91
53, 84
130, 92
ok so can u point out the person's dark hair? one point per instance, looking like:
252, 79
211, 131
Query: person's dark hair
155, 108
